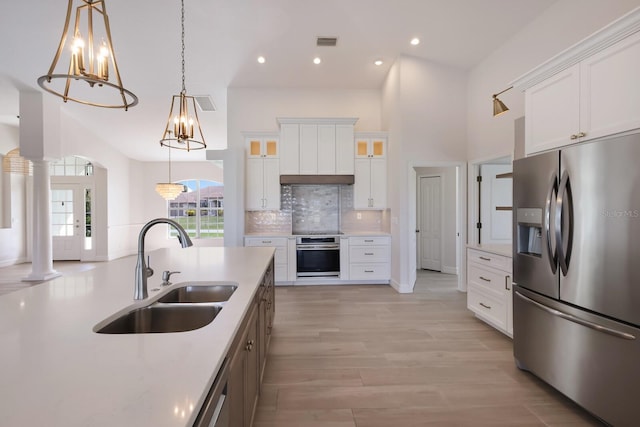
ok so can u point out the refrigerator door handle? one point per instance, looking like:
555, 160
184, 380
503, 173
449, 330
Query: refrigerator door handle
564, 199
551, 251
574, 319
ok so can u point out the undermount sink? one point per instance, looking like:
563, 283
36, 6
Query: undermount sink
159, 318
200, 292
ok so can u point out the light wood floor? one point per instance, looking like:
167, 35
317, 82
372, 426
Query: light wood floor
366, 356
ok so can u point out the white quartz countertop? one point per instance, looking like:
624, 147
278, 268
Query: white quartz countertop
57, 372
497, 249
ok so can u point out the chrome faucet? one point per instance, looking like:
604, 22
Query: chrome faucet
142, 270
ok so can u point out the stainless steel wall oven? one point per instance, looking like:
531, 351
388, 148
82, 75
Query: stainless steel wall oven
318, 256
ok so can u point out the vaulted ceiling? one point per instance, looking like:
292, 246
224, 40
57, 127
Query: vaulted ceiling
224, 39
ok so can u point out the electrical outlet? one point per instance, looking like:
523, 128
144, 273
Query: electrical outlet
359, 215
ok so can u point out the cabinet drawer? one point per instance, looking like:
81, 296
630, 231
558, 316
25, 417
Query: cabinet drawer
280, 243
373, 241
489, 259
487, 306
369, 253
379, 271
492, 279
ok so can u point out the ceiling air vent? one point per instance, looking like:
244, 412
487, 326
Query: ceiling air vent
205, 102
326, 41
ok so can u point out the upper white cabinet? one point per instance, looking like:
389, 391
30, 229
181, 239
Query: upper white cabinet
586, 92
370, 146
370, 186
316, 146
262, 172
262, 146
290, 147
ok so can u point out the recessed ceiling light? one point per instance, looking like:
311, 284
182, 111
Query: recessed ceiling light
378, 62
317, 60
415, 41
261, 59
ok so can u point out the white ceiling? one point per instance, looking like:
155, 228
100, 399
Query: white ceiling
223, 40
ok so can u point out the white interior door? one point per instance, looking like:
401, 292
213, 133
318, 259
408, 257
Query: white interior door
67, 224
431, 223
495, 204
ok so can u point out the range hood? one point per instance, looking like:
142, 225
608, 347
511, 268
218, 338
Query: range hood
317, 179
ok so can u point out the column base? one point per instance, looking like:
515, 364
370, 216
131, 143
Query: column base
42, 277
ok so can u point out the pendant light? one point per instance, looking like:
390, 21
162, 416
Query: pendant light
13, 162
91, 60
185, 128
169, 190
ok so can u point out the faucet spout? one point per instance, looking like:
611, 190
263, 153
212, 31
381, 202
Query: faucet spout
142, 270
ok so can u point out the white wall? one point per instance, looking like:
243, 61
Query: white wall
13, 240
257, 110
563, 24
424, 106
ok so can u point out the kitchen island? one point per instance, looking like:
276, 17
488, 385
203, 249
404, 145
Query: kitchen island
56, 370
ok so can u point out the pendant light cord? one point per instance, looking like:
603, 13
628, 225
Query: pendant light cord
184, 90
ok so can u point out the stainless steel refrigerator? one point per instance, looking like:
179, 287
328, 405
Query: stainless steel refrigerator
576, 262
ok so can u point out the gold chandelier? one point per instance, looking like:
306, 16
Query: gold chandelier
183, 126
169, 190
90, 60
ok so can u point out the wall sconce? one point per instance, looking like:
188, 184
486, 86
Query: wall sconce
498, 106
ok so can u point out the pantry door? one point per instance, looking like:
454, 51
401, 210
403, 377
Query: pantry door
67, 224
431, 223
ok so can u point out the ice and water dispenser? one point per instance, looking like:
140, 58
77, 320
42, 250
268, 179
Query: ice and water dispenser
529, 231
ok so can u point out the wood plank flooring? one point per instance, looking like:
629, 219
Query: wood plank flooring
366, 356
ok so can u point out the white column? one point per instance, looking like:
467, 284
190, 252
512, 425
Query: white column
42, 256
39, 142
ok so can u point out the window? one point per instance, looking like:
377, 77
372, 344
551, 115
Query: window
71, 166
200, 209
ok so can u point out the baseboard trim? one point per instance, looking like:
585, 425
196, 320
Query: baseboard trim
450, 270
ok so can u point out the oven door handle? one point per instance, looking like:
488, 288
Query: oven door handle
316, 247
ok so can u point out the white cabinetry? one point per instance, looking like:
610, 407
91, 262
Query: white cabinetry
316, 146
489, 293
370, 186
370, 258
262, 172
290, 147
586, 92
281, 257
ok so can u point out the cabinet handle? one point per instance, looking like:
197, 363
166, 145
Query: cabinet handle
485, 258
485, 279
368, 271
266, 241
574, 136
249, 345
485, 306
507, 279
369, 253
368, 241
582, 135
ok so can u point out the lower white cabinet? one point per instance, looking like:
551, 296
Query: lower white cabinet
282, 253
370, 258
489, 290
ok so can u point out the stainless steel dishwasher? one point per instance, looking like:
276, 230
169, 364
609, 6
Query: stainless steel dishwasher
215, 409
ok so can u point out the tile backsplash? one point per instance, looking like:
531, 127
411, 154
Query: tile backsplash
308, 208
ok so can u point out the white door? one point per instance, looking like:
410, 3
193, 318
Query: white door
495, 204
430, 223
67, 224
